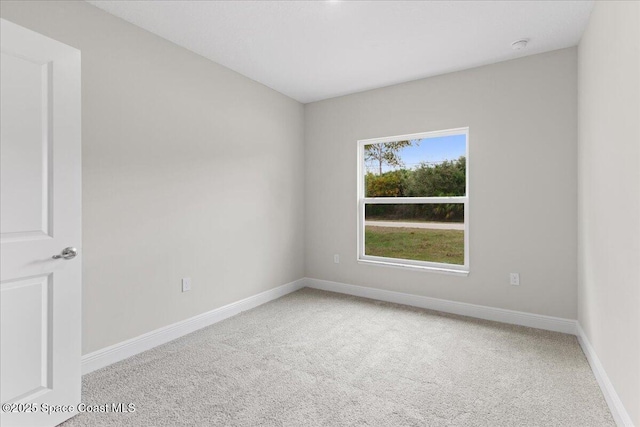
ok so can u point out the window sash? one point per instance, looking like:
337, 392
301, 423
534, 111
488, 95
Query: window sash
403, 262
413, 200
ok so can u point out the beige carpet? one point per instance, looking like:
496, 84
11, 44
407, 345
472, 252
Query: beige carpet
319, 358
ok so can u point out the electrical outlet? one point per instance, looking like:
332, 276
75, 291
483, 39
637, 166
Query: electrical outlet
514, 279
186, 284
336, 259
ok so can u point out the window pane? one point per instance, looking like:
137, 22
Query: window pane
428, 167
420, 232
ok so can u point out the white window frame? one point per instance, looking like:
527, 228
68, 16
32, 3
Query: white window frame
362, 201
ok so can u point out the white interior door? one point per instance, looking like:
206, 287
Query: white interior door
40, 200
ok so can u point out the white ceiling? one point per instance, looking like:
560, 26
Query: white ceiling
313, 50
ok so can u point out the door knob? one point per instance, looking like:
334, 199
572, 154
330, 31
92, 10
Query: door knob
67, 253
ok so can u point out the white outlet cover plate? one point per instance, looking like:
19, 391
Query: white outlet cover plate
514, 279
186, 284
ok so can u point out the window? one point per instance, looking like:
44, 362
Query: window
413, 201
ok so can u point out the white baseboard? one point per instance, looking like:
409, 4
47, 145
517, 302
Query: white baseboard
531, 320
620, 414
117, 352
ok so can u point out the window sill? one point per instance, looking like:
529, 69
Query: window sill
440, 270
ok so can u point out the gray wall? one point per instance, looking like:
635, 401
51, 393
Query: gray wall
522, 122
189, 170
609, 194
